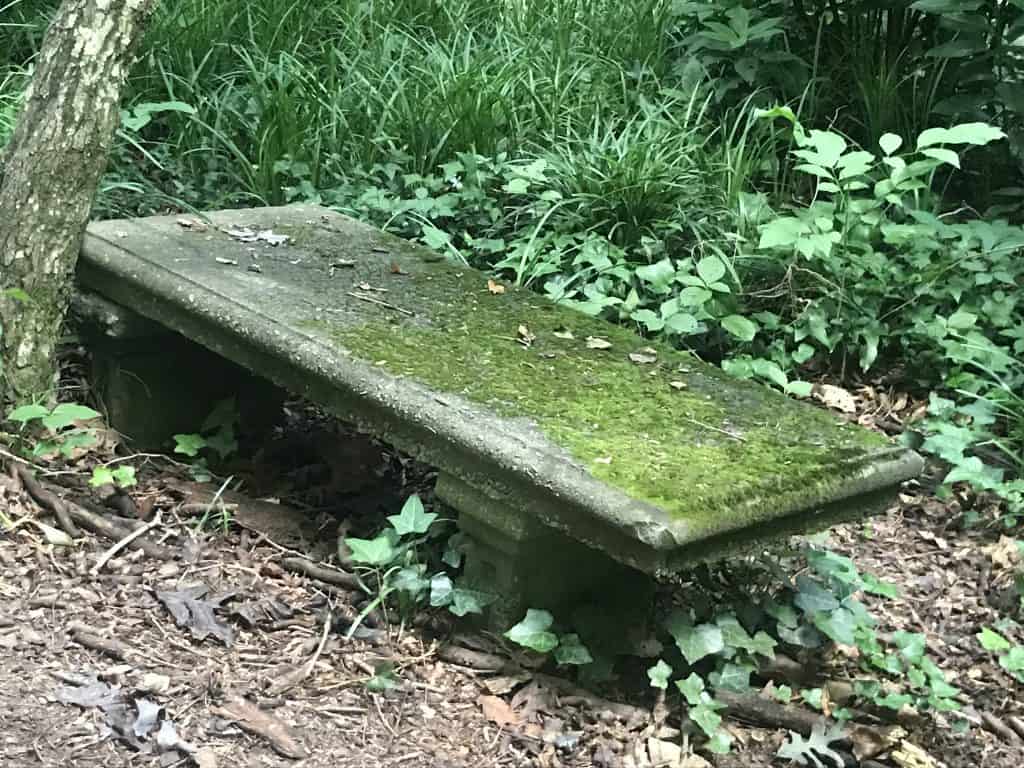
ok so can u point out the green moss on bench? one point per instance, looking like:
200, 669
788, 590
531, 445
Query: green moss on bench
625, 422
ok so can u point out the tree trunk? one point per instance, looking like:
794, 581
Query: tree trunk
49, 174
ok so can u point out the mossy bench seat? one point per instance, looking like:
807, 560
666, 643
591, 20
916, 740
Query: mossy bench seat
568, 461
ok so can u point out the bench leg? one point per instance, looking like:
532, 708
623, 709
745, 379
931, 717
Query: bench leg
154, 383
530, 565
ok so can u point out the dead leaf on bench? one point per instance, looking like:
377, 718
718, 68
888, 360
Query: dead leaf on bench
596, 342
496, 288
644, 356
497, 711
258, 722
197, 615
835, 397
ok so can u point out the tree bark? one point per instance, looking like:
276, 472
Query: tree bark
49, 174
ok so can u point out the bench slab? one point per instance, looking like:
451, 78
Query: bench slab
527, 404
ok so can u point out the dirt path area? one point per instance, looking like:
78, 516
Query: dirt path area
222, 657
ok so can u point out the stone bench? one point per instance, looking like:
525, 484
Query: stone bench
569, 462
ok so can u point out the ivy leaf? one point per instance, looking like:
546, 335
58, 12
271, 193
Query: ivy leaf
571, 650
691, 688
812, 597
66, 414
659, 675
911, 645
838, 625
189, 445
706, 717
373, 552
697, 642
441, 590
992, 641
412, 519
101, 476
720, 743
410, 579
733, 677
532, 632
466, 601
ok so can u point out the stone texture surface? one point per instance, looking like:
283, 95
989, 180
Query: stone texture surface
657, 465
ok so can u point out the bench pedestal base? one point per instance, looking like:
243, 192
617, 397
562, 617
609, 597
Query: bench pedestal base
154, 384
531, 565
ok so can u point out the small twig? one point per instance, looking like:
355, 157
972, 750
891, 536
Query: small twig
725, 432
378, 302
124, 542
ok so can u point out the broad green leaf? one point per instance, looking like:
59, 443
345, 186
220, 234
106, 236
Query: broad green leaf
533, 632
659, 675
992, 641
740, 327
682, 323
571, 650
26, 413
66, 414
412, 519
189, 445
943, 155
373, 552
710, 269
650, 320
768, 369
782, 232
965, 133
694, 296
1013, 661
658, 275
125, 475
890, 142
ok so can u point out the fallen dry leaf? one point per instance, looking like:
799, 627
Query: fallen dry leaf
396, 269
252, 719
564, 333
596, 342
869, 742
835, 397
678, 384
496, 288
497, 711
603, 460
525, 336
644, 356
1004, 554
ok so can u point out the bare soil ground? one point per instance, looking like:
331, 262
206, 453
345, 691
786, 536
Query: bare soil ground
92, 661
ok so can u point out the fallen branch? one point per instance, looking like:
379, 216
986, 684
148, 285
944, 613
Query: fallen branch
322, 573
104, 527
113, 648
769, 713
49, 501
